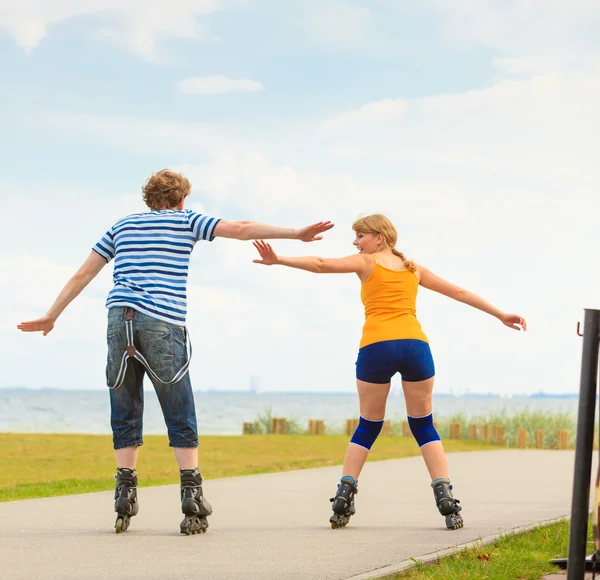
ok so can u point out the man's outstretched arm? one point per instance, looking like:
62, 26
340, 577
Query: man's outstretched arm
246, 230
88, 271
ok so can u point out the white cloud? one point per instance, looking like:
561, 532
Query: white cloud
138, 24
346, 151
527, 65
246, 182
132, 133
379, 111
218, 84
337, 23
524, 28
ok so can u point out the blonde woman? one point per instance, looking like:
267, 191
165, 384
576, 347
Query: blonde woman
392, 341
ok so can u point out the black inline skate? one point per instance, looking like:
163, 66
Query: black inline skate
126, 504
446, 503
193, 503
343, 502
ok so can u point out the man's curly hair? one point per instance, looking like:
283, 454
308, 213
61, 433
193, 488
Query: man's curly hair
165, 189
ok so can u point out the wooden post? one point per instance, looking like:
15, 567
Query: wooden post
316, 427
499, 435
473, 432
248, 429
485, 432
406, 429
386, 430
493, 429
278, 426
539, 438
320, 427
454, 431
351, 425
521, 438
562, 439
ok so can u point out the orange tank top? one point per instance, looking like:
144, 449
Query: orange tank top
390, 301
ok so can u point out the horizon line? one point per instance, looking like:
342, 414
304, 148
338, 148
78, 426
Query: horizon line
393, 392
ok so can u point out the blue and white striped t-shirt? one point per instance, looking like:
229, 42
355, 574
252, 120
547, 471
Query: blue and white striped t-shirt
152, 255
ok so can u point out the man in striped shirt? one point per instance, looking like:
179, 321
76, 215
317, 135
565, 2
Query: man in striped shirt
147, 328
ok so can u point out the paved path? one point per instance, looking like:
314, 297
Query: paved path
276, 526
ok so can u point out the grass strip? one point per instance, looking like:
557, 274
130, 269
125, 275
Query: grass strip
45, 465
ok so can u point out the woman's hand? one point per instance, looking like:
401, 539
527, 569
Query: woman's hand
269, 257
513, 321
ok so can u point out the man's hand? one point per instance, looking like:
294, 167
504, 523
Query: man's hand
44, 324
311, 233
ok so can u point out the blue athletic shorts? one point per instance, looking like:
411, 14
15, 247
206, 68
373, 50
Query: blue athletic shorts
380, 361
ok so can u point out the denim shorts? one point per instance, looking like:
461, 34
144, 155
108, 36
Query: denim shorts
380, 361
164, 347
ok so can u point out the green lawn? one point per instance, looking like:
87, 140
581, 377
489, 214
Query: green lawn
40, 465
523, 556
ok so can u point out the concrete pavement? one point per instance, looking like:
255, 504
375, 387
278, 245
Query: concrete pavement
276, 526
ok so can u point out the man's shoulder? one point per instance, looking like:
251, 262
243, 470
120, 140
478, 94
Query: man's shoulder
132, 217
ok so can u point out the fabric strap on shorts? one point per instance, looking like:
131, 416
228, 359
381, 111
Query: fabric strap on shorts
132, 352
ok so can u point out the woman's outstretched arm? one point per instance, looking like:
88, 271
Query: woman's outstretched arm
433, 282
357, 263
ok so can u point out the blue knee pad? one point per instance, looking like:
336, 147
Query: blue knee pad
366, 432
423, 430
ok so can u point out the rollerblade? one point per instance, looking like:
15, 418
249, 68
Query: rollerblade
446, 504
343, 502
126, 504
193, 503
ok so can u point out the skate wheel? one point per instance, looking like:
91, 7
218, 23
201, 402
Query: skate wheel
119, 525
454, 523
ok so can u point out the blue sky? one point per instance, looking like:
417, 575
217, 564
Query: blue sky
473, 124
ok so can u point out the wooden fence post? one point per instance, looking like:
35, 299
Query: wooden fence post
249, 428
493, 429
521, 438
484, 431
386, 430
454, 431
278, 426
539, 438
499, 435
562, 439
351, 425
473, 432
406, 429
